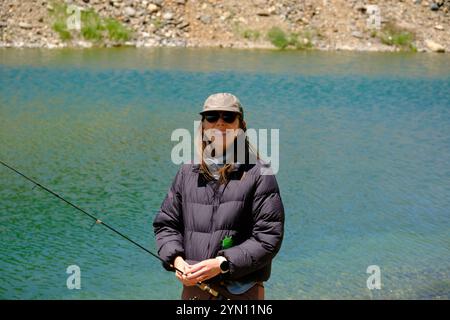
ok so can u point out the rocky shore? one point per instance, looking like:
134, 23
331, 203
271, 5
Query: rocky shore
359, 25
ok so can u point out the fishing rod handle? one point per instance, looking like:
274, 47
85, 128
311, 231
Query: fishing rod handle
208, 289
202, 286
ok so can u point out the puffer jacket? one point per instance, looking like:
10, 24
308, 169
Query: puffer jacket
197, 214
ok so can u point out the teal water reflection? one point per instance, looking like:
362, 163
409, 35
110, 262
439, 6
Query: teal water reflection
364, 166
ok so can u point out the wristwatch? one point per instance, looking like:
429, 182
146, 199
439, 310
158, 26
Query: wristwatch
224, 264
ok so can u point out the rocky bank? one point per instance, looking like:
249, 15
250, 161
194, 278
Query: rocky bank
322, 24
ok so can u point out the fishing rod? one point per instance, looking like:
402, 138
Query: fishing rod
203, 286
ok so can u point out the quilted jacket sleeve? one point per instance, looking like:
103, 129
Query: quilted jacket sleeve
168, 224
267, 231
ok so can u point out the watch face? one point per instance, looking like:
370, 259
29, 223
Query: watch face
224, 266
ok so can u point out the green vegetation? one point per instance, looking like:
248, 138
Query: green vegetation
305, 41
116, 30
93, 27
252, 35
61, 28
393, 35
281, 40
60, 17
157, 23
249, 34
278, 38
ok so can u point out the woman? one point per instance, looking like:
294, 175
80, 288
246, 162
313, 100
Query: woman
222, 221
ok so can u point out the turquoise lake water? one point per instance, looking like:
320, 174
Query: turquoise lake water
364, 166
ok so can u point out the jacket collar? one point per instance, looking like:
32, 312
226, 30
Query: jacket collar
236, 167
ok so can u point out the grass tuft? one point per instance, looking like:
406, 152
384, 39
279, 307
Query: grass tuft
252, 35
392, 35
93, 27
278, 38
281, 40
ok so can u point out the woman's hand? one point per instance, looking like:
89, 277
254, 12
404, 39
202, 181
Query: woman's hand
183, 266
204, 270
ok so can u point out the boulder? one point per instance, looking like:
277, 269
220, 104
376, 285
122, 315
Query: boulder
183, 25
129, 11
357, 34
205, 19
434, 7
25, 25
168, 16
434, 46
152, 8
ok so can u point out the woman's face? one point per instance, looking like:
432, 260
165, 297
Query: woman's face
222, 127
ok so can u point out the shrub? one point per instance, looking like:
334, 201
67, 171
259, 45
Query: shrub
59, 20
393, 35
278, 38
93, 27
116, 30
305, 41
300, 41
252, 35
61, 28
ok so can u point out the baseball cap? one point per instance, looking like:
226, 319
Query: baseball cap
223, 102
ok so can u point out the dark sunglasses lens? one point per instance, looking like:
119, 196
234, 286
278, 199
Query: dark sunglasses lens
212, 117
229, 117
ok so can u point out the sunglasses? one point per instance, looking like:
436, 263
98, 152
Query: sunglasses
213, 116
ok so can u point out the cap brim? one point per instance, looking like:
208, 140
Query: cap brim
221, 109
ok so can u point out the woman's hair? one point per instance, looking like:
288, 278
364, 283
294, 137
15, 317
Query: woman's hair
224, 172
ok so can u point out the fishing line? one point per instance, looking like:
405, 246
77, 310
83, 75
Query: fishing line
201, 285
